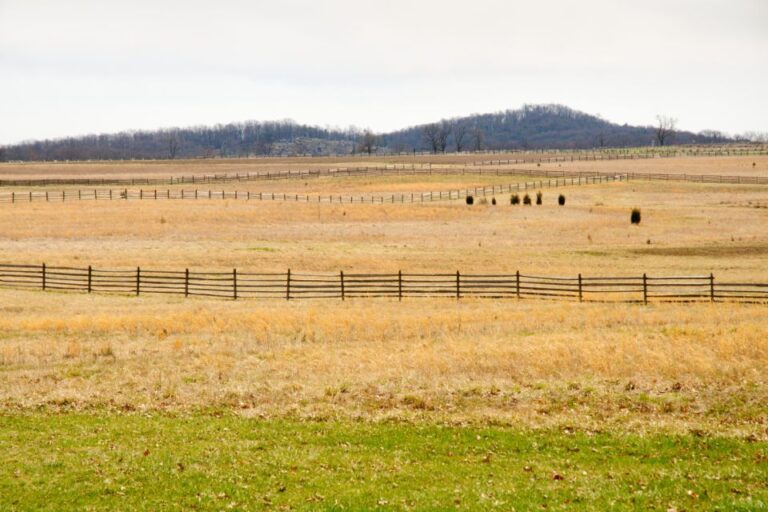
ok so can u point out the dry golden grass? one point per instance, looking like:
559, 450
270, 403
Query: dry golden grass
674, 367
671, 366
168, 168
346, 185
725, 166
686, 228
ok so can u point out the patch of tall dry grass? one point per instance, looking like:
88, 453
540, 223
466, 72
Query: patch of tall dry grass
676, 366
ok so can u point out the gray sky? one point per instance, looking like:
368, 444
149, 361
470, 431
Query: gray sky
71, 67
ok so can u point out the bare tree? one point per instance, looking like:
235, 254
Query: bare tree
264, 147
367, 142
753, 136
431, 133
459, 134
173, 144
477, 138
443, 133
665, 130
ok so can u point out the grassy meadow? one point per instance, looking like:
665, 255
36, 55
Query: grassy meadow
165, 403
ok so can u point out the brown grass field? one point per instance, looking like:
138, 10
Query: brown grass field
724, 166
734, 165
669, 367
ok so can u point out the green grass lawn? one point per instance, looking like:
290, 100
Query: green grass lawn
198, 462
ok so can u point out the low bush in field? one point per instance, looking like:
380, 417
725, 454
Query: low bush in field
527, 199
514, 199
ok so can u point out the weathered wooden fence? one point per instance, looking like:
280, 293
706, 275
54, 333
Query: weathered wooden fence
221, 177
238, 284
426, 169
412, 168
400, 197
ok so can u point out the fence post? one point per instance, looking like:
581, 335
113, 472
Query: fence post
581, 296
458, 285
90, 277
711, 287
288, 286
138, 280
341, 279
234, 283
645, 289
517, 284
400, 285
43, 275
186, 282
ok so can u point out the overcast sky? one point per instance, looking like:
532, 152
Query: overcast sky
71, 67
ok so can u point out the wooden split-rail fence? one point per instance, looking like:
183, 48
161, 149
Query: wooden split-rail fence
238, 284
247, 195
478, 169
197, 179
641, 155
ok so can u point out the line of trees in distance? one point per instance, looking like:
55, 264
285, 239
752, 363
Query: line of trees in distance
530, 127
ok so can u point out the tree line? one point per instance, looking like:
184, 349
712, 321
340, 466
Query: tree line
231, 140
541, 127
530, 127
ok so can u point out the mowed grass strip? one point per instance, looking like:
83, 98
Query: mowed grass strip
209, 462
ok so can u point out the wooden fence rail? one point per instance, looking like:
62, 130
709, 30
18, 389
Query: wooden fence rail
247, 195
396, 169
605, 156
238, 284
221, 177
479, 169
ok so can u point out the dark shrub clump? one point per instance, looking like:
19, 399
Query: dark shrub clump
470, 200
515, 199
538, 197
561, 200
635, 216
493, 201
527, 199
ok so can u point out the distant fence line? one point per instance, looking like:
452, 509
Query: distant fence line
596, 157
237, 284
568, 178
390, 169
247, 195
650, 176
216, 178
743, 149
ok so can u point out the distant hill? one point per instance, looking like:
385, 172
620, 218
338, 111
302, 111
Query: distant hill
530, 127
229, 140
536, 127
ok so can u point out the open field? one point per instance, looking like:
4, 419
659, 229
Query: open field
678, 367
167, 168
165, 403
687, 228
726, 165
346, 185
